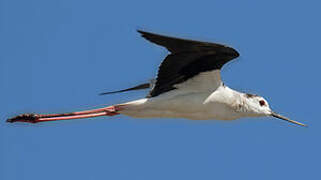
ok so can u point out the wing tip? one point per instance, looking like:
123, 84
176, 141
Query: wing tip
235, 53
138, 87
231, 52
152, 37
106, 93
140, 31
147, 35
143, 33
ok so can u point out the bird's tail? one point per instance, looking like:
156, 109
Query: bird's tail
35, 118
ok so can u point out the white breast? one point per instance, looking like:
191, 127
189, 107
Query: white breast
189, 105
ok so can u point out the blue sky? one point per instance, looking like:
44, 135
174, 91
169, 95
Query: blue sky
56, 56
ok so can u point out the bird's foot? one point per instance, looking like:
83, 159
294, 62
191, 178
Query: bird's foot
30, 118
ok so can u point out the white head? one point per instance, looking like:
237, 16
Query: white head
255, 105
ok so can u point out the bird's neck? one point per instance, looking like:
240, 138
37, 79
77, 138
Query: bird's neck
242, 103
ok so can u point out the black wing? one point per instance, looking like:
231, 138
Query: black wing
188, 58
138, 87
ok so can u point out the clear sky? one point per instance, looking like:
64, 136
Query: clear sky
56, 56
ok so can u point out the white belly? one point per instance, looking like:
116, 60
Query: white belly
190, 106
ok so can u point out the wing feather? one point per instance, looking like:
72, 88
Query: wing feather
188, 59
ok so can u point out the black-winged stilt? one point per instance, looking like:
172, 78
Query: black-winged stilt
188, 85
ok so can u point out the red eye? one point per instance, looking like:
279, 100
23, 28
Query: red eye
262, 103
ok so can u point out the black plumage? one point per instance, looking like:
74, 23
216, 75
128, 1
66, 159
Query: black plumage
188, 58
138, 87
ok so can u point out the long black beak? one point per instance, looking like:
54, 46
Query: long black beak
286, 119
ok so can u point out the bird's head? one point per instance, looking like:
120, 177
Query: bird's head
258, 106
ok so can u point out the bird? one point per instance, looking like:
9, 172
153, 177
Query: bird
188, 85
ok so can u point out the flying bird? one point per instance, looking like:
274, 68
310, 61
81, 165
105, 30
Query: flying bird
188, 85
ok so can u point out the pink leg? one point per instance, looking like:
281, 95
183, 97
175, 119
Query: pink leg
35, 118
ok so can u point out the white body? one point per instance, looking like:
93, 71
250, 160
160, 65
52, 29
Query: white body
202, 105
203, 97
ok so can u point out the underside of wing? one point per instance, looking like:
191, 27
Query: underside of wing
190, 62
